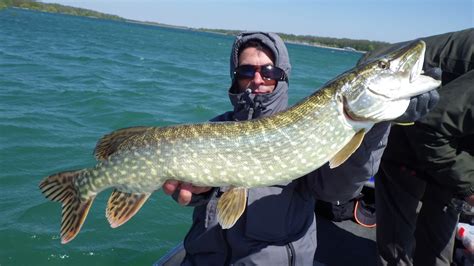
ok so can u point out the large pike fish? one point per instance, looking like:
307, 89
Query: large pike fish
327, 126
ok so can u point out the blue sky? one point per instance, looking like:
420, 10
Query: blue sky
379, 20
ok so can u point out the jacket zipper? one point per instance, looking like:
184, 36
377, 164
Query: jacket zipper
291, 254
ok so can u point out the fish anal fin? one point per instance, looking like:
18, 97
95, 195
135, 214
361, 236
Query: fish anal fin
230, 206
123, 205
60, 187
342, 155
110, 143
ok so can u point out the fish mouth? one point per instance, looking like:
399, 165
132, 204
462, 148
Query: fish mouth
410, 60
417, 54
407, 65
411, 68
417, 68
387, 85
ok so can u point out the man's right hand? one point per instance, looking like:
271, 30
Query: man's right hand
185, 190
419, 106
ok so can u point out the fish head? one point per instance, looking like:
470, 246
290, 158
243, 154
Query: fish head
380, 89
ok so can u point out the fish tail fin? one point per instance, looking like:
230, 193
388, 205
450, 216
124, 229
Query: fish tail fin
60, 187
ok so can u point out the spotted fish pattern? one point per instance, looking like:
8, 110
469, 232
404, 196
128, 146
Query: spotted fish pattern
326, 126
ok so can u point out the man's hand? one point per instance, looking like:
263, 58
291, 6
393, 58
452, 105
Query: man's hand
419, 106
422, 104
183, 190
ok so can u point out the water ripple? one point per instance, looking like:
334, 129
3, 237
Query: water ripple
66, 81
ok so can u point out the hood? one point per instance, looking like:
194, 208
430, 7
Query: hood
248, 105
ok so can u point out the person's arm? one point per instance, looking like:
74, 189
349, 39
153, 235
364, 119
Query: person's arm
451, 52
344, 182
441, 140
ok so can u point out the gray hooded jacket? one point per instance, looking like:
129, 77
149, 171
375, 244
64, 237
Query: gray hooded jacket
278, 226
246, 105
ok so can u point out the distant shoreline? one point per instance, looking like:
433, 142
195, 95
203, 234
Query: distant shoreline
340, 44
347, 49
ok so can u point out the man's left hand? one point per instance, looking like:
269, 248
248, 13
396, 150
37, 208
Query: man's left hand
419, 106
422, 104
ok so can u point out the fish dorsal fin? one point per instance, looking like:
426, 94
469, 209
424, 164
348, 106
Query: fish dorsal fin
110, 143
342, 155
122, 206
230, 206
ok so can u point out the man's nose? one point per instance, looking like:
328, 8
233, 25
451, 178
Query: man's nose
257, 78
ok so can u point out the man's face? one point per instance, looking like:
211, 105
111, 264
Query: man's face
255, 57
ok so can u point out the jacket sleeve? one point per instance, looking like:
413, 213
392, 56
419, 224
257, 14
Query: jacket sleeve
447, 129
439, 139
444, 140
345, 182
452, 52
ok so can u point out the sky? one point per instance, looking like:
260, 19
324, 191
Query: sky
376, 20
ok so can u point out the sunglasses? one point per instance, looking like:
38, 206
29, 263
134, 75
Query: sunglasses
268, 72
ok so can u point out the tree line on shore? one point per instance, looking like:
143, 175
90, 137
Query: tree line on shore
56, 8
343, 43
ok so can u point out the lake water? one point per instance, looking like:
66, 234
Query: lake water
65, 81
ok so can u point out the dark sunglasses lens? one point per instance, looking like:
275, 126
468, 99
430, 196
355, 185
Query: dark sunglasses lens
267, 71
245, 71
272, 72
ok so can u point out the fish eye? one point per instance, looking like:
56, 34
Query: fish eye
384, 64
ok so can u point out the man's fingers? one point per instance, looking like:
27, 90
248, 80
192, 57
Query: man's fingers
184, 196
170, 186
184, 191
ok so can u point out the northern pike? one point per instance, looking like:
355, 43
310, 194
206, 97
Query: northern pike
328, 125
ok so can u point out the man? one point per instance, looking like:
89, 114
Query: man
431, 161
278, 225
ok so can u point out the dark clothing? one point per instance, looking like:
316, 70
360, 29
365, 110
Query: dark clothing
344, 183
278, 226
431, 161
441, 145
400, 228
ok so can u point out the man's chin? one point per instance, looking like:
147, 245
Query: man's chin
257, 92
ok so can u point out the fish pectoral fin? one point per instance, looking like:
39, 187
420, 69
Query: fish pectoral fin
123, 205
60, 187
110, 143
342, 155
230, 206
